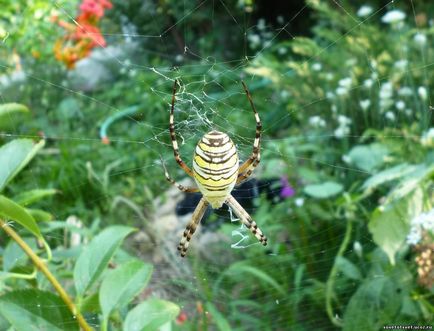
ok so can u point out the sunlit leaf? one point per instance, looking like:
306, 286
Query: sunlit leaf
122, 284
150, 315
368, 157
14, 156
95, 257
12, 211
11, 114
35, 310
324, 190
29, 197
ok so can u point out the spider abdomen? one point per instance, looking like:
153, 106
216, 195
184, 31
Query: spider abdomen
215, 167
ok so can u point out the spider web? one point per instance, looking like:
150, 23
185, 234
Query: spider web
209, 96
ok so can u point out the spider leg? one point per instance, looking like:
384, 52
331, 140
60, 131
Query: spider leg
247, 167
192, 226
173, 136
246, 219
173, 182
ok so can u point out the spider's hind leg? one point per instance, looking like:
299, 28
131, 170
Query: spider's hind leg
246, 219
192, 226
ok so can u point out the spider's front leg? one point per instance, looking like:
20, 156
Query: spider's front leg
192, 226
173, 182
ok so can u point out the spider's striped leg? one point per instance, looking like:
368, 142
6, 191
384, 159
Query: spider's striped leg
247, 167
172, 181
246, 219
192, 226
173, 136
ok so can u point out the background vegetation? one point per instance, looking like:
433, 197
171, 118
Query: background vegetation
344, 90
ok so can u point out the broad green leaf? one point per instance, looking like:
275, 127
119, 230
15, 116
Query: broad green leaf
14, 255
35, 310
348, 268
11, 114
14, 156
121, 285
218, 318
368, 157
376, 303
388, 175
390, 224
95, 257
239, 268
324, 190
12, 211
150, 315
29, 197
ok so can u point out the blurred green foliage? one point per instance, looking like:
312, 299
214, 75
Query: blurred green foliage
347, 114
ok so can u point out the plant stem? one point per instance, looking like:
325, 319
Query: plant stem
40, 264
332, 276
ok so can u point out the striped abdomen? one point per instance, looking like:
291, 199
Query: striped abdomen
215, 167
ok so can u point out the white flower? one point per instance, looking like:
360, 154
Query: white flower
330, 95
329, 76
401, 64
364, 104
393, 16
341, 132
414, 236
374, 75
400, 105
408, 112
317, 121
316, 66
420, 39
405, 91
299, 202
346, 159
427, 139
179, 58
364, 11
421, 90
343, 120
357, 246
345, 82
282, 50
254, 40
334, 109
261, 24
341, 91
390, 116
386, 90
368, 83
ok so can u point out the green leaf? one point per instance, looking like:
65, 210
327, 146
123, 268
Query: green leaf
11, 114
239, 268
95, 257
121, 285
14, 156
368, 157
12, 211
348, 268
388, 175
35, 310
14, 255
324, 190
40, 215
390, 224
29, 197
150, 315
376, 303
220, 320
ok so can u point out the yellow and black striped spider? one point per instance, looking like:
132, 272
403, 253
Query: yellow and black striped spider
216, 171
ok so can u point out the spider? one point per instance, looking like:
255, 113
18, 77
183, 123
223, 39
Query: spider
216, 171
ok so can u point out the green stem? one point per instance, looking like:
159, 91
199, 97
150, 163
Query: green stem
40, 264
5, 275
332, 276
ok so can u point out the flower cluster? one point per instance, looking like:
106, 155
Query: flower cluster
425, 221
83, 35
